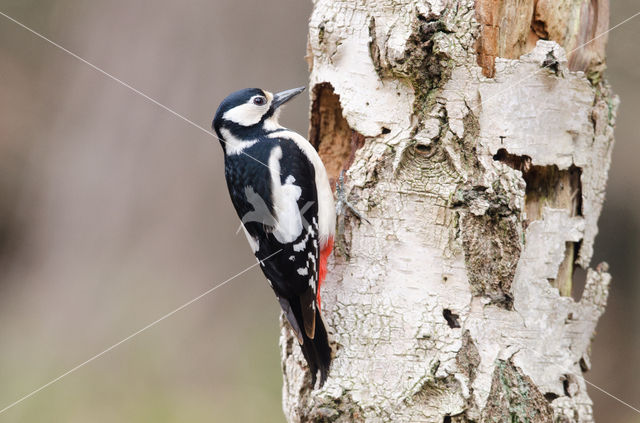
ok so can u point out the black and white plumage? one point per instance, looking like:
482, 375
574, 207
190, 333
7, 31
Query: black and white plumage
280, 190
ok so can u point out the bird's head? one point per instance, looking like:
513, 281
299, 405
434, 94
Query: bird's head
250, 110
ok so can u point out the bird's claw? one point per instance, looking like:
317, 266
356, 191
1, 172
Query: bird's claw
342, 201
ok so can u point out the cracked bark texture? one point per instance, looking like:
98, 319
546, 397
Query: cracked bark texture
477, 142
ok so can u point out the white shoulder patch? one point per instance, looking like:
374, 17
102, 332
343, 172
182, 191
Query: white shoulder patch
326, 207
285, 201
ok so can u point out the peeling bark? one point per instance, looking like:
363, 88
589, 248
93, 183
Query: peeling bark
480, 153
510, 29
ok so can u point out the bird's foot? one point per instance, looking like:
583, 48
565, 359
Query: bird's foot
342, 203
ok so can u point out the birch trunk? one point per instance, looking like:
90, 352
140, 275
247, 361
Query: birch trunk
477, 141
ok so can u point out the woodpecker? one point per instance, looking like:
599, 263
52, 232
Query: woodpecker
281, 193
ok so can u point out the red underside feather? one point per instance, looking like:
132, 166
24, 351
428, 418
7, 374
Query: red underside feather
324, 256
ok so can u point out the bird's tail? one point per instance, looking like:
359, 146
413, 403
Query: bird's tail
317, 351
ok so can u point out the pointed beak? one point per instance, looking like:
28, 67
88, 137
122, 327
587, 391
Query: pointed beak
283, 96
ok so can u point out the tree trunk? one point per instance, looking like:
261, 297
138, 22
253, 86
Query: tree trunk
477, 142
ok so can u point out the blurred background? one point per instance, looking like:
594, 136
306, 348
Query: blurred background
114, 212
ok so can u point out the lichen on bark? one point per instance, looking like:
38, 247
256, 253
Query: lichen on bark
514, 397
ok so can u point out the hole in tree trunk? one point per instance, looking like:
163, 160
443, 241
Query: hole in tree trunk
565, 385
451, 318
550, 396
549, 186
578, 282
330, 133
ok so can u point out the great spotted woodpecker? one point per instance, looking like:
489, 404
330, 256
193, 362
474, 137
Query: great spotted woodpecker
280, 190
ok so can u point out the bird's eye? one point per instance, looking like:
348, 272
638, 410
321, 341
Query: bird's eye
259, 101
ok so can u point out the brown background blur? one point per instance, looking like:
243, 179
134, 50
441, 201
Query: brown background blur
114, 212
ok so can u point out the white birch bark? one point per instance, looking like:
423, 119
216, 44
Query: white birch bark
479, 190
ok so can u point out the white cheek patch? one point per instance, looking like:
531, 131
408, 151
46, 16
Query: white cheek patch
246, 114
